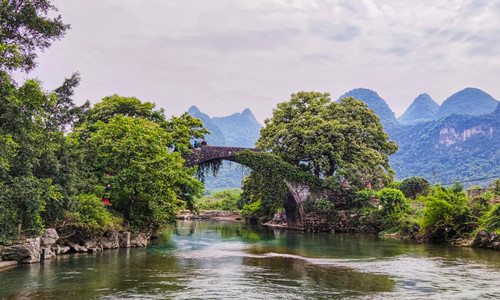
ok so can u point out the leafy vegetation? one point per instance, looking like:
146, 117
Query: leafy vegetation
229, 200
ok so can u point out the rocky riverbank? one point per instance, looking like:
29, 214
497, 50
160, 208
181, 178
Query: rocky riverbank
210, 215
34, 249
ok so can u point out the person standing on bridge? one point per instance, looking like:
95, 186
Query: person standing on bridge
195, 145
203, 143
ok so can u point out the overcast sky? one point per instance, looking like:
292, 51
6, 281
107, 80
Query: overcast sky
227, 55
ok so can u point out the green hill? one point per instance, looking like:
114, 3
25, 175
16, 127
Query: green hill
469, 101
376, 103
458, 147
422, 109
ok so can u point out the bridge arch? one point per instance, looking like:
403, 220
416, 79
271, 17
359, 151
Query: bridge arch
302, 186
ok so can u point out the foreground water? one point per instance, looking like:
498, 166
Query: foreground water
214, 260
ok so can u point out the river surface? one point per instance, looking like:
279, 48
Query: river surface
219, 260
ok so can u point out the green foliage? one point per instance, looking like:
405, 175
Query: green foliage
446, 214
90, 216
491, 220
364, 198
343, 139
252, 211
266, 183
395, 185
495, 186
224, 200
395, 208
25, 30
414, 186
148, 182
481, 204
392, 199
321, 206
22, 205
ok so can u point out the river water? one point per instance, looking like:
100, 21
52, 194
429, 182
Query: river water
219, 260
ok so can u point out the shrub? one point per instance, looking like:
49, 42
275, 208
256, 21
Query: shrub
482, 204
390, 199
414, 186
251, 211
229, 200
491, 220
364, 198
447, 214
91, 216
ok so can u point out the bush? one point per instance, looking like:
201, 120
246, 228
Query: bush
482, 204
391, 199
91, 216
447, 214
229, 200
321, 206
364, 198
414, 186
491, 220
395, 208
251, 211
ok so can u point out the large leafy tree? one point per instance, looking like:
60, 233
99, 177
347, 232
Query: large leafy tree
343, 140
25, 28
148, 181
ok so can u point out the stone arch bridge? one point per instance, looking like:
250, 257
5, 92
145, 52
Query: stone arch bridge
299, 192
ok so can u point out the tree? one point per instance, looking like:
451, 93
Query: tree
148, 181
114, 105
26, 28
342, 139
414, 186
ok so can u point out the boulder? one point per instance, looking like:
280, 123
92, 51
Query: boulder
58, 250
110, 240
482, 239
139, 240
48, 239
27, 252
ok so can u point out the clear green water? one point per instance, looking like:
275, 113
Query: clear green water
215, 260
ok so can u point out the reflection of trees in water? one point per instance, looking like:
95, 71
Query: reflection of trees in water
89, 276
296, 272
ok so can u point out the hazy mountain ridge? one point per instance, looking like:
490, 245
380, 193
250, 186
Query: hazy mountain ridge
455, 147
236, 130
239, 129
461, 145
215, 137
469, 101
458, 147
423, 109
375, 102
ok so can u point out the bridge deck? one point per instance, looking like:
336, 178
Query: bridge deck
214, 152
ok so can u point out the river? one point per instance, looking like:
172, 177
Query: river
224, 260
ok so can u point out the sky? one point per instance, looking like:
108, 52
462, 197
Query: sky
227, 55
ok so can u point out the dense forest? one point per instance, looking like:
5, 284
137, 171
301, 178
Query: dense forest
59, 160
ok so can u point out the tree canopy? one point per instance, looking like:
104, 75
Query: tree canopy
344, 139
26, 28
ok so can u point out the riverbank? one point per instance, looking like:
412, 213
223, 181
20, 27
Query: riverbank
216, 215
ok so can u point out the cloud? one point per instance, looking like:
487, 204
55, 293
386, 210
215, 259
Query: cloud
335, 32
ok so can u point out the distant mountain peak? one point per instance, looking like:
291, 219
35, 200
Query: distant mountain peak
193, 109
422, 109
247, 112
469, 101
376, 103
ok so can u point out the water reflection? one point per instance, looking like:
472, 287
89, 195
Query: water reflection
231, 260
